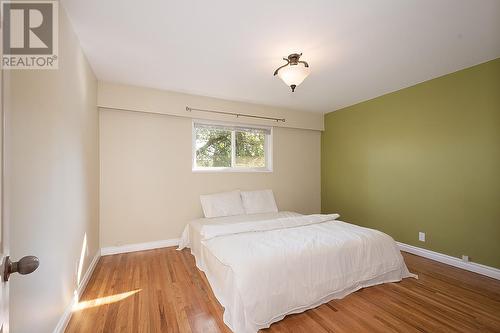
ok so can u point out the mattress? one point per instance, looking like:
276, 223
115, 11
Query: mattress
262, 268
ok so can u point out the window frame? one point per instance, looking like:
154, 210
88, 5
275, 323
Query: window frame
268, 149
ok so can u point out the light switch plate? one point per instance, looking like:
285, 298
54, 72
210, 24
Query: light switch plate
421, 236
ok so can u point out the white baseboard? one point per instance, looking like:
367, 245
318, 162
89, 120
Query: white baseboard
106, 251
66, 316
449, 260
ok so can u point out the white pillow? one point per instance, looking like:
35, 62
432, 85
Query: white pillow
256, 202
222, 204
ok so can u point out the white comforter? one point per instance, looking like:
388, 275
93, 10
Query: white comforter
261, 271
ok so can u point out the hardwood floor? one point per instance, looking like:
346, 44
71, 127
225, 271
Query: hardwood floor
163, 291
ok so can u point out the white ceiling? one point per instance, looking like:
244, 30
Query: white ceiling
357, 50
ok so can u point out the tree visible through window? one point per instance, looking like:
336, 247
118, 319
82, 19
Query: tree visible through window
223, 146
213, 147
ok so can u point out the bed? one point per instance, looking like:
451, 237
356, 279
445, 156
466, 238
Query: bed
262, 267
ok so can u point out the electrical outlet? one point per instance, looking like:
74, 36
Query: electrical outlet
465, 258
421, 236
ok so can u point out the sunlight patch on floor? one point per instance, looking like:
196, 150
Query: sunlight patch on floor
104, 300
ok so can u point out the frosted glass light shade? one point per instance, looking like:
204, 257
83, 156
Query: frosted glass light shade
293, 74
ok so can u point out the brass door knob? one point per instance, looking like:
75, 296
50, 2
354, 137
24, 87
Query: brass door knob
24, 266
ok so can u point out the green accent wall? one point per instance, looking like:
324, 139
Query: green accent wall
425, 158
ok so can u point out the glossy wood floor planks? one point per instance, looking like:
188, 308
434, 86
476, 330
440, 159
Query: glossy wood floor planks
163, 291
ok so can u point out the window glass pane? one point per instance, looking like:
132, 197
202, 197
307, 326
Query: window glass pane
250, 149
213, 147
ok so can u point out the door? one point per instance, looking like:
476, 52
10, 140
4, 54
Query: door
27, 264
4, 241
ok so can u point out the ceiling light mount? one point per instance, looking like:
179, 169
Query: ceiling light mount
294, 71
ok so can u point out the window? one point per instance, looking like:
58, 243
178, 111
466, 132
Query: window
223, 147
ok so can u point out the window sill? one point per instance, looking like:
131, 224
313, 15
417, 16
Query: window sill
232, 170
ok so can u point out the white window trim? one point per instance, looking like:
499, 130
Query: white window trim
268, 150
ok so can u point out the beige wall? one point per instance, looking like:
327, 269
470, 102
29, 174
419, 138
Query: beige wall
149, 193
112, 95
51, 182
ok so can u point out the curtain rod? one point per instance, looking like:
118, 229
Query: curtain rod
194, 109
189, 109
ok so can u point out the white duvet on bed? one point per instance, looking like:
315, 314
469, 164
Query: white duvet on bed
263, 270
191, 236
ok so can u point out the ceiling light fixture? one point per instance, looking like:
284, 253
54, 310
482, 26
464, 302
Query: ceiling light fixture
294, 71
